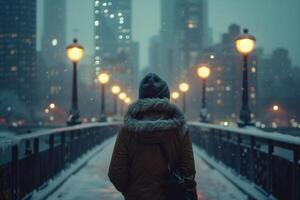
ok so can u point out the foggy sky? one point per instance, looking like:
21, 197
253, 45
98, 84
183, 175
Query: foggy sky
275, 23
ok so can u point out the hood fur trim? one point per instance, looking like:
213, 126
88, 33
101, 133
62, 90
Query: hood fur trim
150, 105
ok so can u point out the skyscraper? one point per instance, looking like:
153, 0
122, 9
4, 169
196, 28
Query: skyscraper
18, 48
113, 38
52, 65
184, 33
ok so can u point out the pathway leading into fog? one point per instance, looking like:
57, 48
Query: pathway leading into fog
92, 183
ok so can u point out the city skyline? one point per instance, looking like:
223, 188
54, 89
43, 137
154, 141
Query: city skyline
269, 35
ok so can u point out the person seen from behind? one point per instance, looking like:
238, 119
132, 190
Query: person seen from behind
153, 157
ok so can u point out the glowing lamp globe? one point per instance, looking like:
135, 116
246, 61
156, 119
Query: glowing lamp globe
75, 51
103, 78
122, 95
127, 100
245, 43
275, 108
115, 89
203, 72
184, 87
175, 95
52, 105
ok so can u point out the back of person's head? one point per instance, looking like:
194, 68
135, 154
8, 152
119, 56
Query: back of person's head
152, 86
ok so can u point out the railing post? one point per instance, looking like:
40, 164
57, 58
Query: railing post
239, 154
296, 174
36, 162
270, 167
16, 173
252, 160
51, 153
228, 150
63, 153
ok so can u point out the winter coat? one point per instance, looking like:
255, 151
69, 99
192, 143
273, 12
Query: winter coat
137, 167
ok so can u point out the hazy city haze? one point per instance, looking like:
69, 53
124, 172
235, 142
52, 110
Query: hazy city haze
273, 22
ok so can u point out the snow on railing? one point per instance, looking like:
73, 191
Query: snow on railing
269, 161
252, 131
29, 161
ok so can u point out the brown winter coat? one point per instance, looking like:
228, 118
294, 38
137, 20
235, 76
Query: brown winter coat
137, 167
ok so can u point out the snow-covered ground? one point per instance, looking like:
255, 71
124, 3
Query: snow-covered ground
92, 182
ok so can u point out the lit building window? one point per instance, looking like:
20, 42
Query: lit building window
97, 58
212, 56
227, 88
252, 95
96, 3
253, 69
96, 37
97, 62
120, 37
219, 81
54, 42
14, 68
121, 22
119, 14
112, 16
96, 23
127, 37
219, 101
97, 48
191, 24
104, 4
105, 11
96, 11
109, 3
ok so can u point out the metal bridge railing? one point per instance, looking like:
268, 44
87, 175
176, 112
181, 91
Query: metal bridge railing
269, 161
38, 157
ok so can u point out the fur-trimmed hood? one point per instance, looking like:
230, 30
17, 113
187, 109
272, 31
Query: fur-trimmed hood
154, 118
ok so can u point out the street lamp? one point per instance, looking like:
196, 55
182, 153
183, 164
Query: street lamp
245, 45
103, 79
175, 95
203, 72
52, 105
122, 97
184, 87
75, 53
127, 100
115, 90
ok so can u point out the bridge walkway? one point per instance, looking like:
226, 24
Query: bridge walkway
91, 182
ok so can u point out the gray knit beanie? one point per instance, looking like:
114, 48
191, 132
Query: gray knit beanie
152, 86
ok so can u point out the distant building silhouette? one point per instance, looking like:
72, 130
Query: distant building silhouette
279, 85
224, 88
18, 49
154, 54
113, 39
52, 60
184, 33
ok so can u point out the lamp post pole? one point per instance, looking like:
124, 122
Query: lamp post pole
75, 53
245, 45
203, 113
102, 111
203, 73
245, 113
74, 108
183, 102
184, 87
115, 104
103, 79
115, 91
